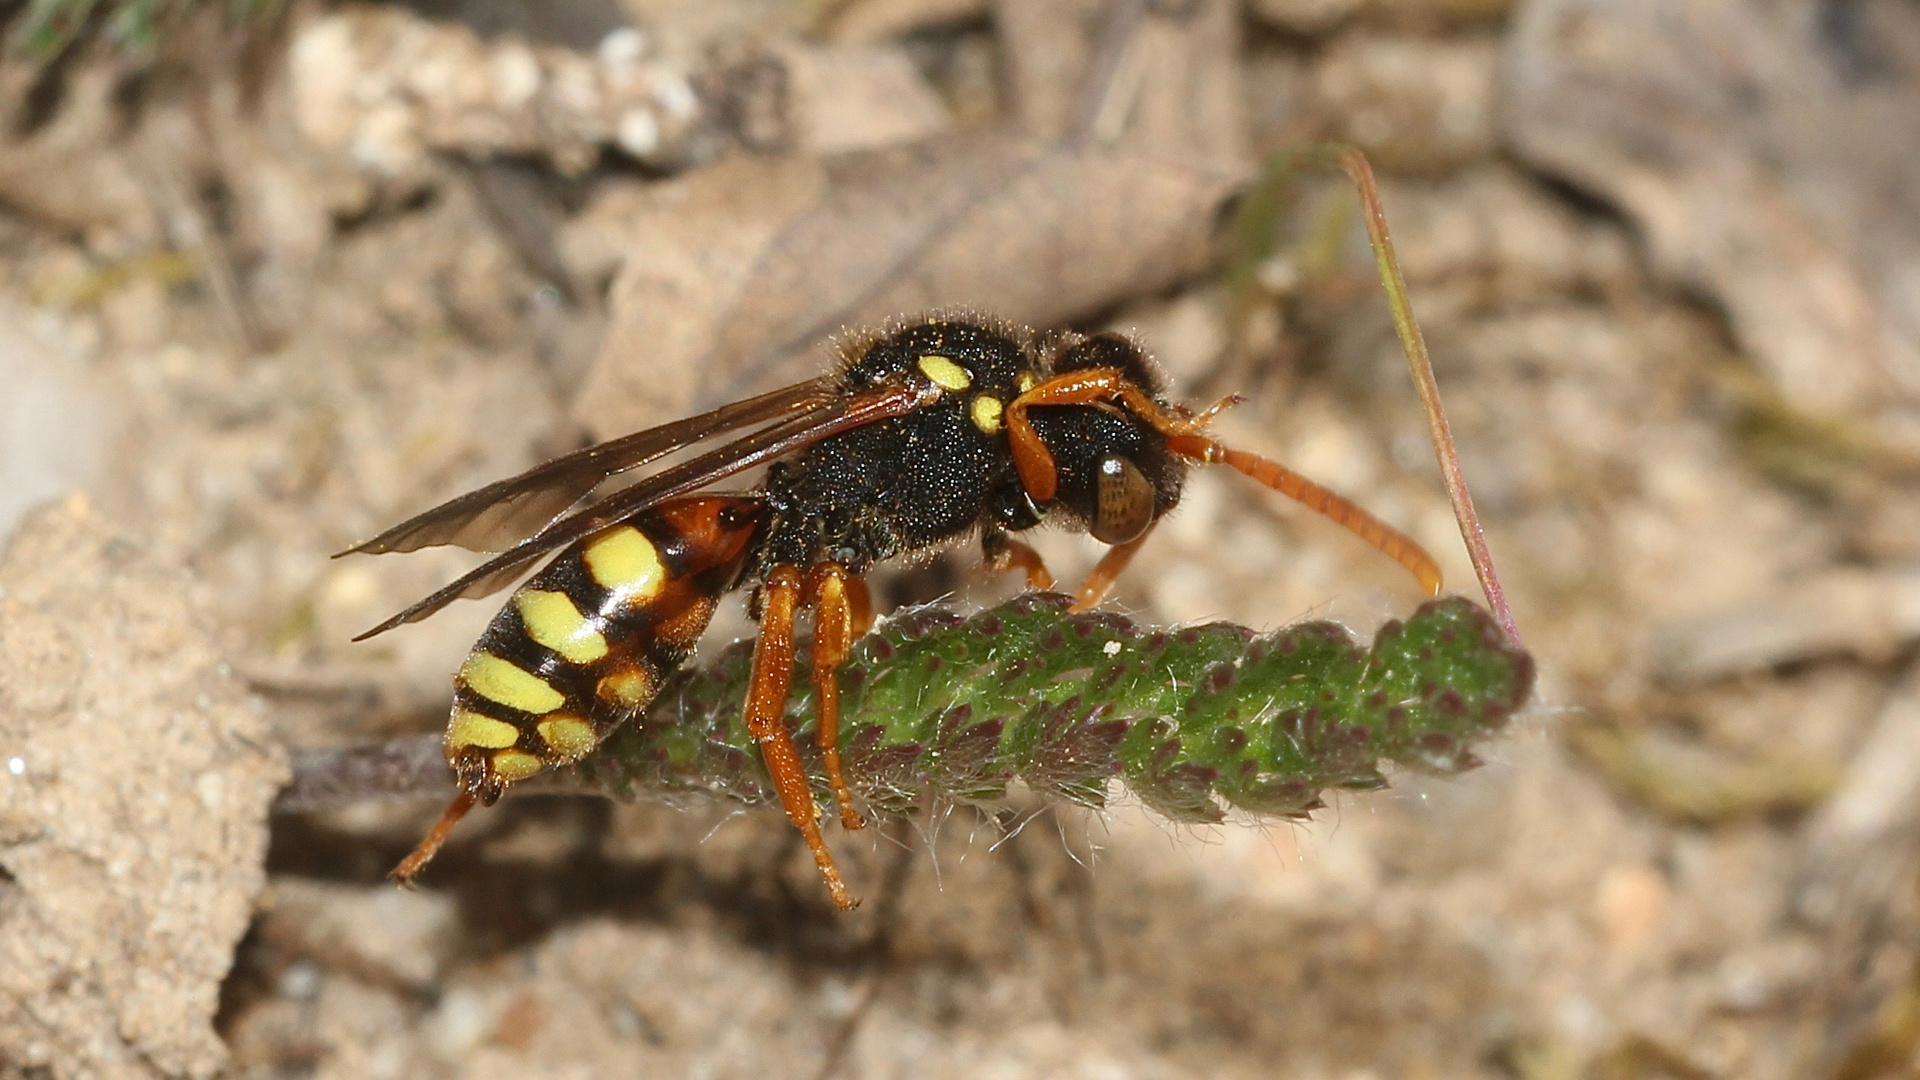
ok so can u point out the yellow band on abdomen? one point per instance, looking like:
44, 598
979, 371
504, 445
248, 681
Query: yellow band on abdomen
552, 620
469, 728
626, 564
501, 681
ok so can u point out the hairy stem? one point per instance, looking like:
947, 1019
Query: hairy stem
1194, 721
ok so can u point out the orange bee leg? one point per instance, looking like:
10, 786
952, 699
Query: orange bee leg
1004, 553
417, 860
1099, 581
766, 720
1219, 407
833, 636
860, 604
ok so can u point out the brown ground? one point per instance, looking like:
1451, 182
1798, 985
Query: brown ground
265, 292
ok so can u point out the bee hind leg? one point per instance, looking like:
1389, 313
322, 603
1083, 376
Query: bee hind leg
840, 608
767, 691
422, 854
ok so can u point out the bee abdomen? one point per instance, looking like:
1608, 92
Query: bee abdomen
587, 642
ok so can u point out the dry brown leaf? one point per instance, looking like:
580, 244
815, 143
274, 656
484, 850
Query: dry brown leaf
876, 20
729, 271
1164, 77
1795, 207
856, 97
1048, 53
739, 266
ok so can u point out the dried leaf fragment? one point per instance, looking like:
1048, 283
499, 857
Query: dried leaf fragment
737, 267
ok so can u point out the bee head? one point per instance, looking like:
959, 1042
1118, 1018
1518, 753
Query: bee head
1114, 472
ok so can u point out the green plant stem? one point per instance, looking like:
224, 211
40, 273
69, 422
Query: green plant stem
1194, 721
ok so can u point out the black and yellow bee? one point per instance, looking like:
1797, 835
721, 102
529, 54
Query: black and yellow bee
932, 432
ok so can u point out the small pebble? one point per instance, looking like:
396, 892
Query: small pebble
301, 981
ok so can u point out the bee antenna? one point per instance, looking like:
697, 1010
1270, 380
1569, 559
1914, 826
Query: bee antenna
1393, 543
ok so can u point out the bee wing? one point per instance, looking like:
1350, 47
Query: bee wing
825, 419
495, 517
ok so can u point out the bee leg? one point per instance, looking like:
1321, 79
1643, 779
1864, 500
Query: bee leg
860, 606
417, 860
766, 720
1004, 553
1099, 581
833, 635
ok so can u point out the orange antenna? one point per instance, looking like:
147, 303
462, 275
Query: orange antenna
1396, 545
1185, 437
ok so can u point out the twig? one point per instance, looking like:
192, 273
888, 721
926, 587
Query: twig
1254, 239
414, 765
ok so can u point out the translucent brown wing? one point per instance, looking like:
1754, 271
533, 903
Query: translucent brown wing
505, 512
825, 419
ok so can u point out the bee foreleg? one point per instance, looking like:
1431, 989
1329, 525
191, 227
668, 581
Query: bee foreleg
1099, 581
1003, 553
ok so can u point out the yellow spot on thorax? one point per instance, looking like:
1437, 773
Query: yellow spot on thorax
1026, 381
569, 737
472, 729
627, 564
512, 765
500, 680
986, 414
552, 620
945, 374
631, 688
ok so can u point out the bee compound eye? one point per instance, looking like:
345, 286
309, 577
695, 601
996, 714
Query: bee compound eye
1125, 502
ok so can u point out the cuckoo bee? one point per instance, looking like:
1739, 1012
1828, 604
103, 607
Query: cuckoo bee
932, 432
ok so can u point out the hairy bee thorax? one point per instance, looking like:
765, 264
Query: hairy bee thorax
922, 481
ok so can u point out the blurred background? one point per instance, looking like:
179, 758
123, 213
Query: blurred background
276, 275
